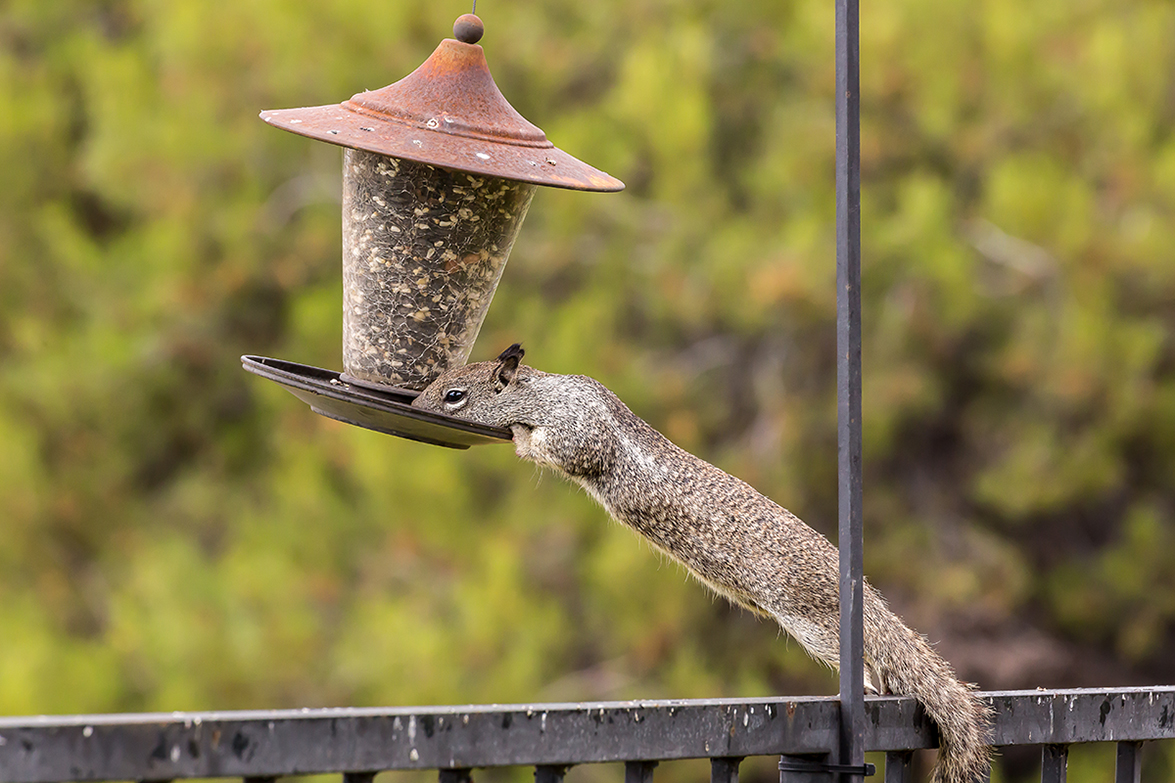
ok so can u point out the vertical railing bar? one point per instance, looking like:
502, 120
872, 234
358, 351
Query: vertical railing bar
1129, 765
724, 769
639, 771
848, 376
897, 766
259, 778
1054, 763
549, 773
456, 775
358, 777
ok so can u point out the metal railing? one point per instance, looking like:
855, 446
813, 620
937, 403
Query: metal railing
359, 743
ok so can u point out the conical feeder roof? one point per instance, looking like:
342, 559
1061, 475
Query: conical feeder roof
447, 113
438, 173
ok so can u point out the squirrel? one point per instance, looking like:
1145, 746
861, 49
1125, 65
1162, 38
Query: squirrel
729, 536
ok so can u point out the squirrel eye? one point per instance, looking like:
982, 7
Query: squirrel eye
454, 396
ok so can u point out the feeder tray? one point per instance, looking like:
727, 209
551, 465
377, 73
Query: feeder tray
388, 410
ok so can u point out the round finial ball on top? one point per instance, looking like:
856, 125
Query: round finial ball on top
468, 29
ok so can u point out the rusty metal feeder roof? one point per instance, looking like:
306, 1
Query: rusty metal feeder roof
447, 113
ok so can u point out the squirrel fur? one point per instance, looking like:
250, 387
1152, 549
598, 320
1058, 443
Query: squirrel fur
740, 543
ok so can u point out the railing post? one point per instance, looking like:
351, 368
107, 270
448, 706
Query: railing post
458, 775
724, 769
549, 773
357, 777
848, 376
639, 771
897, 766
1129, 766
1054, 763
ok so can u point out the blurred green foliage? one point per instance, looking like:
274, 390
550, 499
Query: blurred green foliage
178, 535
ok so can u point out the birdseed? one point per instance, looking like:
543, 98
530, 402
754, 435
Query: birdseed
423, 250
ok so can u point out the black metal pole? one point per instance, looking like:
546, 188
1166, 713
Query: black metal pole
848, 375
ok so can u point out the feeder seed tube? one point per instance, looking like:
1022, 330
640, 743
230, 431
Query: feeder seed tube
423, 250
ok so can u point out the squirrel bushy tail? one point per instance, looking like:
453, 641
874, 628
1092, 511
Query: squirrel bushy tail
905, 663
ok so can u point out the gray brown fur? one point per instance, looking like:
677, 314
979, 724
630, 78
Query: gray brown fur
732, 538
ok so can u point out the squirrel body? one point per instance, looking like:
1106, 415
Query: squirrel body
740, 543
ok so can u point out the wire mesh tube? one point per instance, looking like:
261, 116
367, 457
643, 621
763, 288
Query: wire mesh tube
423, 250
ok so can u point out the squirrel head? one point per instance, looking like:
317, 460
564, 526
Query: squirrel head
561, 421
485, 392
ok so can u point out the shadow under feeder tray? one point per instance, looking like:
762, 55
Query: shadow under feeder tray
386, 410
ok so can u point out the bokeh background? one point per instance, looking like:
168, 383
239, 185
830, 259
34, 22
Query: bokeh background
178, 535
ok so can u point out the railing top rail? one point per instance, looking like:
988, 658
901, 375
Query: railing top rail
283, 742
307, 713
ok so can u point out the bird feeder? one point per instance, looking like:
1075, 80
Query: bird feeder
438, 173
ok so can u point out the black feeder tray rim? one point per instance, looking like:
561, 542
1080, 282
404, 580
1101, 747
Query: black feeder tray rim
386, 409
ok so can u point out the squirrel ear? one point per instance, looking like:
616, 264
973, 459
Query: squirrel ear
507, 367
513, 350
